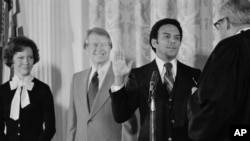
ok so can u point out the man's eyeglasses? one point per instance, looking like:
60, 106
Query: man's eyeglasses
95, 45
219, 22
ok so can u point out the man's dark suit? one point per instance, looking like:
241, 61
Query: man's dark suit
223, 96
135, 95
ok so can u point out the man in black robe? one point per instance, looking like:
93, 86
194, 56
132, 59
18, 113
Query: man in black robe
223, 96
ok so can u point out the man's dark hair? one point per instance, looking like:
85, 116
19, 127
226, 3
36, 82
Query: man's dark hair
158, 24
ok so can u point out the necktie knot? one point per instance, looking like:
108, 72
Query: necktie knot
95, 77
168, 67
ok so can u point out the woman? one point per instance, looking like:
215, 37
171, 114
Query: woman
26, 103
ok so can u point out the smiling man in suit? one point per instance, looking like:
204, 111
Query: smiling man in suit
172, 91
90, 116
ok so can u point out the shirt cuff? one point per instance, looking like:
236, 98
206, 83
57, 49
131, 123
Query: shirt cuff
115, 88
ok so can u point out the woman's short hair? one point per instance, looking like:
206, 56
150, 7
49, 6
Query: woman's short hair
158, 24
18, 44
98, 31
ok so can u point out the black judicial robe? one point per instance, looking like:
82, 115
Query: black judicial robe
223, 96
29, 127
171, 113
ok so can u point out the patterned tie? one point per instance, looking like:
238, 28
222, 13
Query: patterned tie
93, 88
168, 77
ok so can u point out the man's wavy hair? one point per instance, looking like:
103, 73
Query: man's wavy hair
98, 31
237, 11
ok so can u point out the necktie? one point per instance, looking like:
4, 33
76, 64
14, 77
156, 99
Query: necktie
21, 96
93, 88
168, 77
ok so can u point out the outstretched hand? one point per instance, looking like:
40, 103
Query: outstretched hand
120, 68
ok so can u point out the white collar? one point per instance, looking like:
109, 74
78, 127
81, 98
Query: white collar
244, 29
160, 64
102, 71
17, 82
21, 96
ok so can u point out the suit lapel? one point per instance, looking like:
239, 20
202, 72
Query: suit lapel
181, 86
148, 74
178, 79
103, 94
83, 90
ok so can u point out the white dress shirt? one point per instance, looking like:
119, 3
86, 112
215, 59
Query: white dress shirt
160, 64
102, 71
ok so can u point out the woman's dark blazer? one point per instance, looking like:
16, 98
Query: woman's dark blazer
36, 121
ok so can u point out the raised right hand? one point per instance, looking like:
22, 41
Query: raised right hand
120, 68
